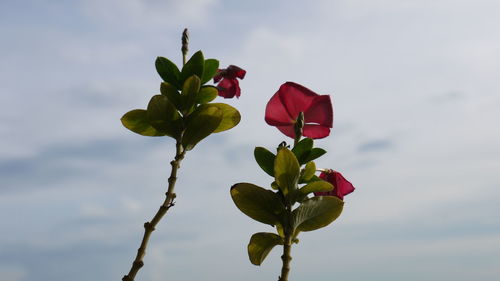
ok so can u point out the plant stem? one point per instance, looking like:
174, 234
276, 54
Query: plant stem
287, 245
149, 227
286, 258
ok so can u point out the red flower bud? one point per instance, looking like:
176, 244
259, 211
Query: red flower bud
341, 186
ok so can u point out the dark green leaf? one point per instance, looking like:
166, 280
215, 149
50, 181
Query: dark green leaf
261, 244
137, 121
230, 116
286, 170
258, 203
172, 94
189, 93
315, 153
265, 159
194, 66
201, 123
168, 71
302, 149
164, 117
316, 212
211, 66
207, 94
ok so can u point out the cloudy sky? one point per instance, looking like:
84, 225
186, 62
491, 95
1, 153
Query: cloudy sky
416, 97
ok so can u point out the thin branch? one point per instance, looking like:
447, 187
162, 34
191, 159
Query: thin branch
149, 227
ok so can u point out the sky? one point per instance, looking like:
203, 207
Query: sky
416, 100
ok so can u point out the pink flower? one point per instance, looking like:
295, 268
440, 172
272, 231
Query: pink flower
341, 186
229, 85
291, 99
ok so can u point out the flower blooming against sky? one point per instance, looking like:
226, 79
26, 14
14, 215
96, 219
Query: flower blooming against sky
341, 186
228, 83
291, 99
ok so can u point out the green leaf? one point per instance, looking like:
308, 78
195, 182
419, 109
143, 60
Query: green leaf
315, 153
164, 117
207, 94
265, 159
316, 212
275, 186
280, 230
211, 67
308, 172
137, 121
315, 178
316, 186
168, 71
189, 93
258, 203
230, 116
194, 66
172, 94
286, 170
261, 244
302, 149
201, 123
313, 186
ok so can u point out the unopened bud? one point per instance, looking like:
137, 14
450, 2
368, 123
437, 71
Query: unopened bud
300, 120
185, 41
299, 125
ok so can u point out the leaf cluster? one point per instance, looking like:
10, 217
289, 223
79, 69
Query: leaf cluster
183, 109
287, 205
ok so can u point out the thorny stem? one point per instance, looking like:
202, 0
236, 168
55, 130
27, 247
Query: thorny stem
149, 227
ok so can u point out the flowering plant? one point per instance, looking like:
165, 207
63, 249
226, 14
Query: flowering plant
287, 205
185, 112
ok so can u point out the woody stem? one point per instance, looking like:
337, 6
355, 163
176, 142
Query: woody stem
149, 227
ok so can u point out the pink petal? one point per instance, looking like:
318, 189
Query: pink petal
342, 186
236, 71
287, 130
228, 88
315, 131
218, 76
237, 86
241, 74
276, 113
320, 111
296, 98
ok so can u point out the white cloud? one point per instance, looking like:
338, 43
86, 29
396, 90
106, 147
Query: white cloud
150, 13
